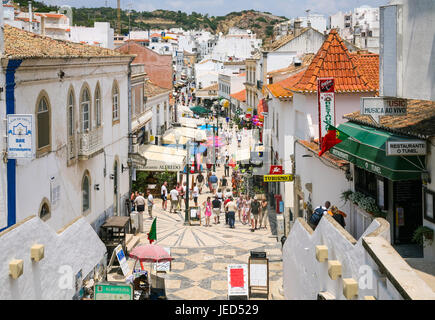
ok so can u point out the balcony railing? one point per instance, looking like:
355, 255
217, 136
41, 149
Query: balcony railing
89, 143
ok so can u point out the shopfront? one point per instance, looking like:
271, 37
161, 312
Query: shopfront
392, 178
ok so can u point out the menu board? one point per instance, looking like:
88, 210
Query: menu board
258, 269
237, 280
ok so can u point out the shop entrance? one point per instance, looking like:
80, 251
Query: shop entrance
407, 210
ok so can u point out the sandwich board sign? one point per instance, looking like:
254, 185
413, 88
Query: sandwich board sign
122, 259
237, 280
383, 106
20, 136
164, 266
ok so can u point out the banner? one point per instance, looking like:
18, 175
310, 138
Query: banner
326, 104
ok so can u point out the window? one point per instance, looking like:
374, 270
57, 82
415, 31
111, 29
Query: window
44, 210
85, 106
71, 114
98, 109
43, 122
429, 207
115, 102
85, 193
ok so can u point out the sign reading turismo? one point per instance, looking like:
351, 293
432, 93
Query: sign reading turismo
20, 136
326, 102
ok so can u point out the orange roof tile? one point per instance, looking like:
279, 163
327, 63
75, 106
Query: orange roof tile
280, 89
368, 65
241, 95
334, 60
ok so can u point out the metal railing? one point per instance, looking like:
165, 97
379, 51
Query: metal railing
90, 142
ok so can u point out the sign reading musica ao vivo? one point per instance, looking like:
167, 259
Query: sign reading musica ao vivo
383, 106
326, 103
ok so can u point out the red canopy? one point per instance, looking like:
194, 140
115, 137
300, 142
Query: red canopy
150, 253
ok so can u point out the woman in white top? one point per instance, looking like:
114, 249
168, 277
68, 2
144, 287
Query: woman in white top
195, 194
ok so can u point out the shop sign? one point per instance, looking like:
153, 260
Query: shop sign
383, 106
276, 170
112, 291
237, 280
20, 136
400, 148
278, 178
326, 103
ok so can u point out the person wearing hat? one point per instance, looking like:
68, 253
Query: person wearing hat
255, 210
338, 215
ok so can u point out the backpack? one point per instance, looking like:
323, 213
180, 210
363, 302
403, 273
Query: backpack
340, 219
316, 216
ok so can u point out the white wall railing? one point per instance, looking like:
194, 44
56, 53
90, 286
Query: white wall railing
90, 142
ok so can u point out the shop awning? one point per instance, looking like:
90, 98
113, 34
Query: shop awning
369, 153
141, 121
185, 135
162, 158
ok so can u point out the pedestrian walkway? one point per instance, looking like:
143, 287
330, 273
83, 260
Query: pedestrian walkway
203, 253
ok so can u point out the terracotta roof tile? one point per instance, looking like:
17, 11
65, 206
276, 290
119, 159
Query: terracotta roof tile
152, 89
419, 121
314, 146
280, 89
334, 60
21, 44
241, 95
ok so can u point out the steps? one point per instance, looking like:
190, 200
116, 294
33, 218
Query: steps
131, 241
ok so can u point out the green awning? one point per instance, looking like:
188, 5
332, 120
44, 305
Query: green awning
369, 153
200, 110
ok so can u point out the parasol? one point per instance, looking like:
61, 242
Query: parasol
150, 253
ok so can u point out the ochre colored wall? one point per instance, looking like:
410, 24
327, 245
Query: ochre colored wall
158, 67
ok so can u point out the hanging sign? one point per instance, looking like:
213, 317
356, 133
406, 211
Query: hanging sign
278, 178
383, 106
276, 170
326, 104
20, 136
400, 148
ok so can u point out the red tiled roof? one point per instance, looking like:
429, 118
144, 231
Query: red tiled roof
314, 146
241, 95
280, 89
368, 65
334, 60
155, 35
50, 15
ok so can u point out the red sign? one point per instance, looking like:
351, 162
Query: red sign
237, 278
276, 170
326, 104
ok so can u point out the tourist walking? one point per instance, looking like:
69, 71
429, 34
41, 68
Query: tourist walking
140, 205
207, 205
231, 206
255, 210
214, 182
150, 203
180, 195
200, 181
240, 206
216, 205
263, 214
195, 194
174, 200
164, 196
317, 215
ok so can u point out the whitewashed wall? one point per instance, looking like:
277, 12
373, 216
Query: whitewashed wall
48, 279
328, 181
308, 42
33, 176
279, 59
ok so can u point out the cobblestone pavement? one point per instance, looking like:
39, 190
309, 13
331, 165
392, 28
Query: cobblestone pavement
202, 254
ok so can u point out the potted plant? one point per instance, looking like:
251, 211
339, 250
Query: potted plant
423, 235
345, 196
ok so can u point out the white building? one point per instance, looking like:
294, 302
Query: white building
206, 73
76, 179
100, 35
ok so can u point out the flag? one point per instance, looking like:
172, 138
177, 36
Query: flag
333, 137
152, 235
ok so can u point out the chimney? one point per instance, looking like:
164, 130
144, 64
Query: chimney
30, 17
309, 24
297, 28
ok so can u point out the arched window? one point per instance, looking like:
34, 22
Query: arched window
86, 197
98, 108
115, 102
44, 210
85, 110
43, 122
70, 123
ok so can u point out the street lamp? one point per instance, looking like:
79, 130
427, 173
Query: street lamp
177, 137
186, 216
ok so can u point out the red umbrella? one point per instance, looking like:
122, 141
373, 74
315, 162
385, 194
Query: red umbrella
150, 253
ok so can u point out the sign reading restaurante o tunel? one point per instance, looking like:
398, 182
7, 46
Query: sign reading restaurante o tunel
399, 148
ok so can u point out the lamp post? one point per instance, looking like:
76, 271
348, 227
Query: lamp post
186, 216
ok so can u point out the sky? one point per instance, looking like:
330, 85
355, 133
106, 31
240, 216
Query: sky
287, 8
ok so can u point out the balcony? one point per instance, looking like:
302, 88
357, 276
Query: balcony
90, 143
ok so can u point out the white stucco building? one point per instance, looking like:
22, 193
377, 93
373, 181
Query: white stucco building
77, 177
100, 35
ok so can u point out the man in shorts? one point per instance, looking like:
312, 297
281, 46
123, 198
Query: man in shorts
200, 181
174, 200
255, 210
216, 204
150, 203
164, 195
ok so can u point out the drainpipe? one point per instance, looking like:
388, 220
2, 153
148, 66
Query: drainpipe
130, 138
11, 163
